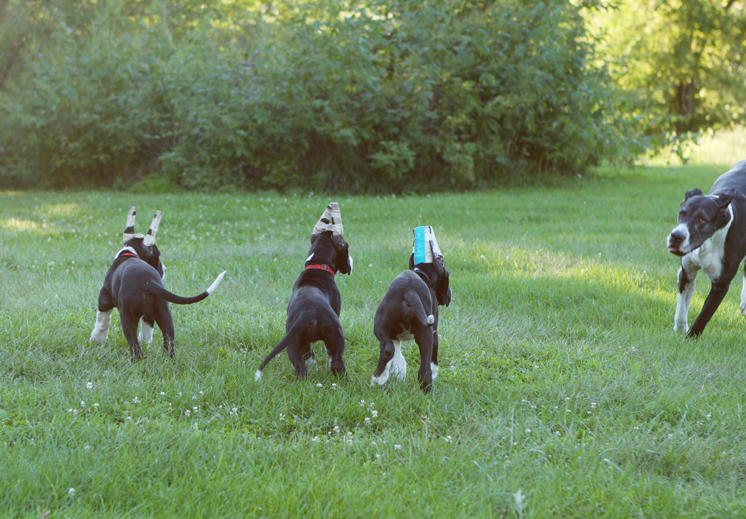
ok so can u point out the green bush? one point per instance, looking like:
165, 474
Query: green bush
388, 95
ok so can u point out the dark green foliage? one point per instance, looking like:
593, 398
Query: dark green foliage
384, 95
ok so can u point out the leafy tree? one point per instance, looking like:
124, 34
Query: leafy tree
681, 62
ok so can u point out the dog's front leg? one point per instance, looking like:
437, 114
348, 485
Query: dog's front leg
686, 284
101, 330
146, 331
714, 298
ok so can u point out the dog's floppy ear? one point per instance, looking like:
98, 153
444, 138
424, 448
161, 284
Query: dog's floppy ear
691, 193
343, 260
443, 289
724, 199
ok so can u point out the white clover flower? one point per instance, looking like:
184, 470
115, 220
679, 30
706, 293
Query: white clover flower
136, 400
95, 404
282, 417
71, 492
163, 394
334, 386
528, 430
195, 426
448, 439
362, 403
89, 385
187, 412
374, 413
316, 439
397, 447
336, 429
319, 385
366, 421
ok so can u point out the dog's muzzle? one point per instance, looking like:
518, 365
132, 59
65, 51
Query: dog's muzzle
675, 240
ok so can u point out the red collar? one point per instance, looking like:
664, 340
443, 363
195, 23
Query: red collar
325, 268
127, 253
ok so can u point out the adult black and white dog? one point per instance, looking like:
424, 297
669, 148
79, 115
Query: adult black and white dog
314, 307
409, 310
710, 236
134, 285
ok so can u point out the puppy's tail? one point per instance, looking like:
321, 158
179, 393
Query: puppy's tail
289, 339
162, 293
419, 311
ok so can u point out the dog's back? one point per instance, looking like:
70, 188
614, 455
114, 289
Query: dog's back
735, 178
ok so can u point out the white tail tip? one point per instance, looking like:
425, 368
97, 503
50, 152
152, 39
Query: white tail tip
430, 319
258, 375
216, 283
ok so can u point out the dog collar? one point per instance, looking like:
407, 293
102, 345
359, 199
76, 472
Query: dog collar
325, 268
127, 251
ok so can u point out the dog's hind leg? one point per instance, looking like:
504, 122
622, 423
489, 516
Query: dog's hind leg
398, 365
296, 358
381, 374
424, 339
166, 324
129, 328
743, 292
434, 360
335, 347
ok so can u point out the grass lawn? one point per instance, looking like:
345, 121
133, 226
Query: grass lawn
563, 391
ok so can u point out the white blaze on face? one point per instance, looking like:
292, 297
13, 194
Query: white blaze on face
683, 230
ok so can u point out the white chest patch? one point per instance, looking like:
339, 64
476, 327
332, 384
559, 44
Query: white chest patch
709, 255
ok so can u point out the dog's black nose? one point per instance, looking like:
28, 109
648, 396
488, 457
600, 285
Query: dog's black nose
676, 237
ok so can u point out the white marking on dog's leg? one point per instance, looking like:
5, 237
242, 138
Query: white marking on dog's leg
682, 304
398, 363
101, 331
383, 378
257, 375
311, 362
434, 370
216, 283
743, 296
146, 333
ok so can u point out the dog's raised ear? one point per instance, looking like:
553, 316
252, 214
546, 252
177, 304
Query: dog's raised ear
129, 228
691, 193
149, 239
411, 261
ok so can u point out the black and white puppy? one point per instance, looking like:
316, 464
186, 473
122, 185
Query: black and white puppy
134, 285
409, 310
314, 307
710, 236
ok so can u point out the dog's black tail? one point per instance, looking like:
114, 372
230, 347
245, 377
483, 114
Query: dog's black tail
292, 335
162, 293
415, 304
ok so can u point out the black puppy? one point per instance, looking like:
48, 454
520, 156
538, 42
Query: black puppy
134, 285
409, 310
314, 307
710, 235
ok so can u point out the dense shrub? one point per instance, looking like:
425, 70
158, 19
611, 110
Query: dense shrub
324, 95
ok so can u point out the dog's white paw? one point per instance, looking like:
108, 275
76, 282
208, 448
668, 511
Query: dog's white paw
258, 375
311, 362
99, 336
434, 370
382, 378
680, 327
